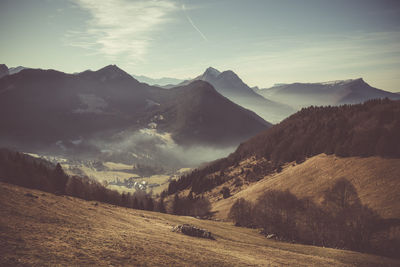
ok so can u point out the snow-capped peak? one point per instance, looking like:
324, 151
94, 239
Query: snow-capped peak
337, 82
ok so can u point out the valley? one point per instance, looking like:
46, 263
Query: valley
117, 176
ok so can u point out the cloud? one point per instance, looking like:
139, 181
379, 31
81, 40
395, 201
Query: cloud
119, 28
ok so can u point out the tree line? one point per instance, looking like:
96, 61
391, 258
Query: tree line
24, 170
190, 205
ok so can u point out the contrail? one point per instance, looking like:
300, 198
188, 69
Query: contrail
191, 22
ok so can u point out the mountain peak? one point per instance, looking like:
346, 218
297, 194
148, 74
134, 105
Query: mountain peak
112, 72
359, 80
112, 68
3, 70
212, 72
229, 74
200, 85
344, 82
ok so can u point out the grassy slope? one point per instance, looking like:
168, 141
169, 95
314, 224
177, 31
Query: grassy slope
62, 230
376, 180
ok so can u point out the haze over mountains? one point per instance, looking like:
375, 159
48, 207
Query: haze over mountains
101, 110
278, 101
94, 110
228, 84
282, 100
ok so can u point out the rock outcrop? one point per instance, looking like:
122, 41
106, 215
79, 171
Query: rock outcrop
192, 230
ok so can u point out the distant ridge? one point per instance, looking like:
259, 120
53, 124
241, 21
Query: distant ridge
352, 91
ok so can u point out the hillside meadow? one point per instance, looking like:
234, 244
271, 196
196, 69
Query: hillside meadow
42, 229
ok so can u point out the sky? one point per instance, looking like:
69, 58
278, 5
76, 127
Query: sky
263, 41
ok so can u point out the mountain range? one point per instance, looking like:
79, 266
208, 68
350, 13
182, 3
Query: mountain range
228, 84
48, 108
109, 108
300, 95
276, 102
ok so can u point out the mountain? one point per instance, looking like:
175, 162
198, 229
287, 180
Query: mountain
3, 70
340, 92
228, 84
164, 81
48, 108
198, 111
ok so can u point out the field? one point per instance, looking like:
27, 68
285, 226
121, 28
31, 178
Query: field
41, 229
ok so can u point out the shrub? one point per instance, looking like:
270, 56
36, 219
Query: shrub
225, 192
241, 213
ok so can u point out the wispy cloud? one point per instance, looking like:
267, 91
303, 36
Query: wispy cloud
121, 27
192, 23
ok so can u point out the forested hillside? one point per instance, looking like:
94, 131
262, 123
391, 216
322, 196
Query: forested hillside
368, 129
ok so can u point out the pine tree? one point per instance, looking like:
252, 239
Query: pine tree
150, 204
161, 206
176, 205
60, 180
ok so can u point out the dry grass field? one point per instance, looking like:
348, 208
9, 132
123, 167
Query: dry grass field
42, 229
377, 181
